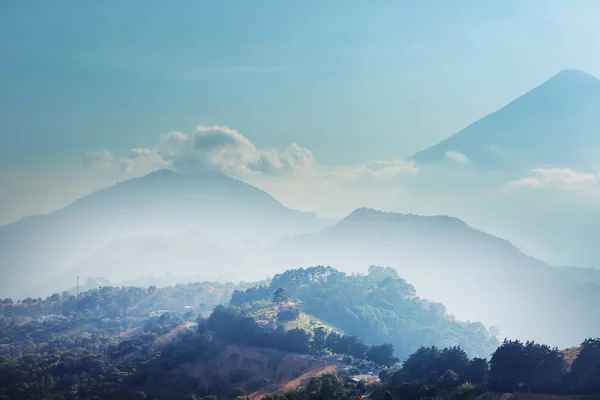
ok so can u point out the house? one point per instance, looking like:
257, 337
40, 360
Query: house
157, 313
263, 323
287, 305
368, 378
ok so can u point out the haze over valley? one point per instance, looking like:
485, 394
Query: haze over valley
379, 200
206, 223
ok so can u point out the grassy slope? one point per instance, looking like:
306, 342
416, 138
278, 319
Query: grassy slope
265, 311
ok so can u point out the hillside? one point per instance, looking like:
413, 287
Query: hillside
476, 275
108, 344
588, 275
553, 124
376, 307
258, 372
37, 248
266, 315
181, 256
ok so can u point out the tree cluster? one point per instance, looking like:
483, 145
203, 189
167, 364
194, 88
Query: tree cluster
377, 307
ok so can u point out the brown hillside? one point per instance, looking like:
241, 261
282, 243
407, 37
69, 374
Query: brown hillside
531, 396
571, 354
258, 371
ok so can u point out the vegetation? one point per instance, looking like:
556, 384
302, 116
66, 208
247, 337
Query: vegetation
377, 307
110, 343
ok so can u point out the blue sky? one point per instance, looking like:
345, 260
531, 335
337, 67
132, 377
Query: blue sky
352, 81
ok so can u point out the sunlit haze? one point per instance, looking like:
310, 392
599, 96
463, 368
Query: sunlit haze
401, 174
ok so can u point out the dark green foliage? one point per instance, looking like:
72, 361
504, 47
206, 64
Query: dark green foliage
295, 340
288, 315
530, 366
238, 375
382, 354
448, 380
88, 355
585, 371
401, 390
476, 371
280, 296
319, 340
255, 293
326, 387
140, 395
231, 324
346, 344
379, 307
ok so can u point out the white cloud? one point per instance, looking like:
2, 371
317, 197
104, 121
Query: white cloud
228, 150
378, 170
457, 157
291, 174
557, 178
98, 159
172, 145
224, 149
143, 161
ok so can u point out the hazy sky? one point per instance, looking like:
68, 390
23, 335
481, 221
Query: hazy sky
350, 82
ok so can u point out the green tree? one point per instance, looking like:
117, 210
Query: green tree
319, 340
476, 371
448, 380
296, 340
382, 354
585, 371
279, 297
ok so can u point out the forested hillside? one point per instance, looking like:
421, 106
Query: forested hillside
479, 276
146, 343
377, 307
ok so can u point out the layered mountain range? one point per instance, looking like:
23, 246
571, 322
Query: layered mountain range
142, 226
164, 202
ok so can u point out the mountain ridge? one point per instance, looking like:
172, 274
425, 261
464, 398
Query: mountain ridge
455, 265
163, 202
531, 129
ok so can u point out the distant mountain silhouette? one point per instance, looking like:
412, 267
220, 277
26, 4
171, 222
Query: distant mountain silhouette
556, 123
126, 260
476, 275
36, 248
588, 275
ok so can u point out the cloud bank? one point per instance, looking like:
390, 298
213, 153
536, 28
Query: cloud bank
296, 178
456, 157
226, 150
564, 179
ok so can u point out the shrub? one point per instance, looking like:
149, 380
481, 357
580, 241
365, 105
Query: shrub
288, 315
237, 375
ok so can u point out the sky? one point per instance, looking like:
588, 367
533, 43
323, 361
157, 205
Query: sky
92, 92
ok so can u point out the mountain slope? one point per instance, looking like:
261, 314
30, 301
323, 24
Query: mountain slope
476, 275
556, 123
126, 260
377, 307
164, 202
